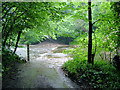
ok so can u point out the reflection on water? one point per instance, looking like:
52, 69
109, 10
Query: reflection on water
44, 68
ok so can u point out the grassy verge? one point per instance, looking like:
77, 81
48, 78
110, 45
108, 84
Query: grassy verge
100, 75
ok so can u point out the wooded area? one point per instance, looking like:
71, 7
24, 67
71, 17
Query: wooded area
93, 27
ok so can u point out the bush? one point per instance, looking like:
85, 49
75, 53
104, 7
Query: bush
116, 62
8, 60
100, 75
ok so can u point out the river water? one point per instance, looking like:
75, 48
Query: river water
44, 68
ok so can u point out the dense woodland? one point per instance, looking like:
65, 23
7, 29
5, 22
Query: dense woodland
92, 27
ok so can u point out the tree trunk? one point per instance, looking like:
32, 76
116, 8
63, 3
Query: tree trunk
11, 27
101, 56
28, 57
9, 44
18, 38
6, 37
110, 57
105, 56
4, 25
90, 33
93, 55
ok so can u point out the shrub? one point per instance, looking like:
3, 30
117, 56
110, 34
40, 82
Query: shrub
100, 75
116, 62
8, 60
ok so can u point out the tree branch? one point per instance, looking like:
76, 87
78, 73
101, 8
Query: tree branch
95, 21
101, 56
19, 16
5, 24
7, 11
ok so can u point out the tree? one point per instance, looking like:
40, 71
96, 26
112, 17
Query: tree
18, 38
18, 16
90, 33
116, 10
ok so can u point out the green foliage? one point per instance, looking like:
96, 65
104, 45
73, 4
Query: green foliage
105, 38
19, 16
41, 20
65, 28
99, 75
29, 37
8, 60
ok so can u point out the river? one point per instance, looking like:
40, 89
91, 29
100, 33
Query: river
44, 68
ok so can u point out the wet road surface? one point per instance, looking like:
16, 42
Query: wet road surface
44, 68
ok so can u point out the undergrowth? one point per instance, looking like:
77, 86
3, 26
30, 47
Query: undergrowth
9, 60
100, 75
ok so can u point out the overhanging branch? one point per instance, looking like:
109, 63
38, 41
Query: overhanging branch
7, 11
95, 22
